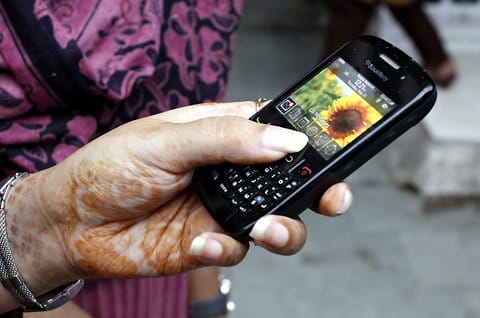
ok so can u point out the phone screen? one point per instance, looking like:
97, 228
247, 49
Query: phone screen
334, 107
350, 106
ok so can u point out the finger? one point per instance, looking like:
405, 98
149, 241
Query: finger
215, 249
279, 234
206, 110
222, 139
336, 200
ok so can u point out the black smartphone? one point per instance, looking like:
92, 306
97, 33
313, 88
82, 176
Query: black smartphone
351, 106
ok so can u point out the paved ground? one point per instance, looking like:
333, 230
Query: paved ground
388, 258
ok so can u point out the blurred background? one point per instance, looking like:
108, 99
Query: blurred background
410, 246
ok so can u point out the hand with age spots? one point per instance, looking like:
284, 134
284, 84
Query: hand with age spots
123, 206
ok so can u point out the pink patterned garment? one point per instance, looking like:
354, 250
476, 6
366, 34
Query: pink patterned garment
71, 70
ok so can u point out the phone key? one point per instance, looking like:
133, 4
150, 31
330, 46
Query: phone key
270, 191
302, 171
278, 195
233, 176
243, 209
264, 205
249, 173
283, 180
267, 170
235, 202
225, 190
229, 171
215, 175
257, 180
258, 200
243, 189
261, 186
292, 185
248, 195
275, 174
237, 182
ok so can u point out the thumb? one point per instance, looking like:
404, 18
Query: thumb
228, 139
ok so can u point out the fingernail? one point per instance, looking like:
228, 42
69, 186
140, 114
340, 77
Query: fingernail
347, 201
282, 139
265, 230
206, 248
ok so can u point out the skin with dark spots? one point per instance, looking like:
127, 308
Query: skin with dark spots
123, 206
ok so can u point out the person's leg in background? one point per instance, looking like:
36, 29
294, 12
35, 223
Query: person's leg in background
416, 23
346, 19
205, 295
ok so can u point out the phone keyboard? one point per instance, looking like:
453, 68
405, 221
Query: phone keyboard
253, 189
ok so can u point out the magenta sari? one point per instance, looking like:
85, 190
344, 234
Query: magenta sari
71, 70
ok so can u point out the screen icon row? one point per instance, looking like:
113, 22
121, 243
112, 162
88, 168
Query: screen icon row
318, 138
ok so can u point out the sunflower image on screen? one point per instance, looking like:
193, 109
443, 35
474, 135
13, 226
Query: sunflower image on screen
348, 117
329, 112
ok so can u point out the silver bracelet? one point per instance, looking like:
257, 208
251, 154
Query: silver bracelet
11, 278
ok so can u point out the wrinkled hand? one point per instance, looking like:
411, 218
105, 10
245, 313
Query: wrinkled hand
122, 206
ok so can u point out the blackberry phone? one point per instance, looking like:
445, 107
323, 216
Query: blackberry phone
351, 106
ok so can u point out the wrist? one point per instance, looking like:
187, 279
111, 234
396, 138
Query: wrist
33, 235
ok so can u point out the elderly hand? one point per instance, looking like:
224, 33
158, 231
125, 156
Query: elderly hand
122, 206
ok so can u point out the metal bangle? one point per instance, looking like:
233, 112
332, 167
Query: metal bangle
11, 278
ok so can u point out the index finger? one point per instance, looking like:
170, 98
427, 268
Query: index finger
200, 111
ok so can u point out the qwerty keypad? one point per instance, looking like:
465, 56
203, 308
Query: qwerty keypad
253, 189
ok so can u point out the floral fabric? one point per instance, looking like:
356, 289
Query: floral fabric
71, 70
